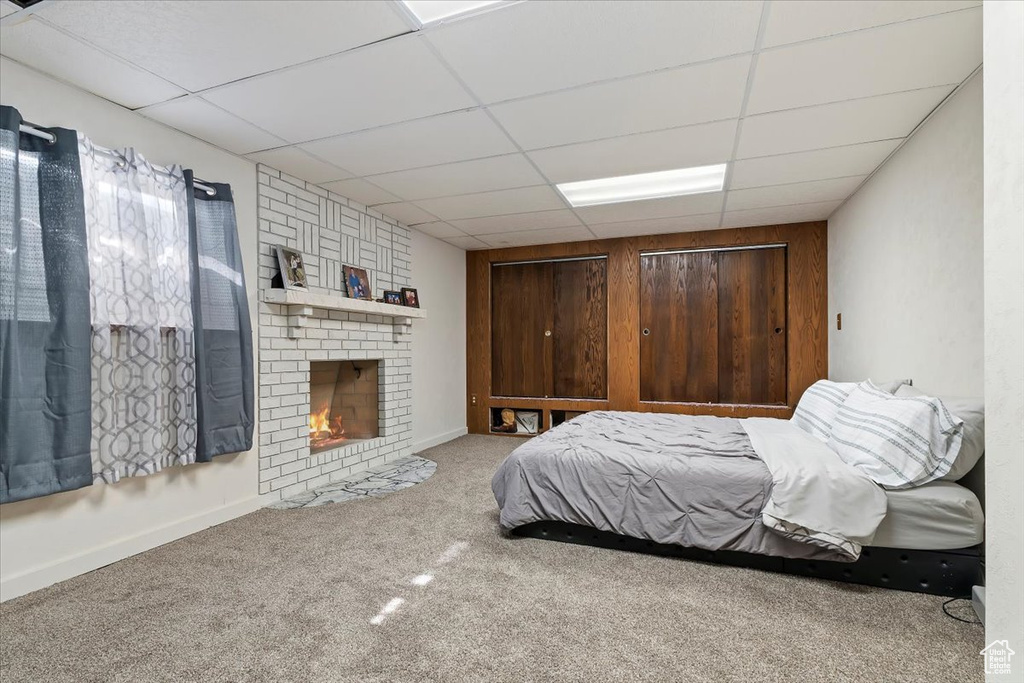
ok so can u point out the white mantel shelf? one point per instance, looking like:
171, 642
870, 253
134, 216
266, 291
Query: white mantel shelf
301, 304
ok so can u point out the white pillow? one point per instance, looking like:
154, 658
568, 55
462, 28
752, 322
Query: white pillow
898, 442
972, 412
817, 408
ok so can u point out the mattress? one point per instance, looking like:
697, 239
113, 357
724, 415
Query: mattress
940, 515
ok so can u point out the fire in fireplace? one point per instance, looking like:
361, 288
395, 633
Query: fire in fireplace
343, 403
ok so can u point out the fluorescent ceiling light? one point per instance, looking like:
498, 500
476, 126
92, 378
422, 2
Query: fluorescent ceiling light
632, 188
431, 11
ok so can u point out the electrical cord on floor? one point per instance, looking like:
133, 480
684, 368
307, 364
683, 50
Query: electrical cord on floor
953, 616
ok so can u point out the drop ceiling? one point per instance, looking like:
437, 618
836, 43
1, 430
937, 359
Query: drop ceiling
462, 129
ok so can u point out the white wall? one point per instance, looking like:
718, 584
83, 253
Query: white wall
55, 537
1004, 327
905, 261
438, 342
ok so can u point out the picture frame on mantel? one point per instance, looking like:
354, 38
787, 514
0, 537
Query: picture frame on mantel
357, 283
394, 298
410, 297
291, 269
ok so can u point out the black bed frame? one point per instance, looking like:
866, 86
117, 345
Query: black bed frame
938, 572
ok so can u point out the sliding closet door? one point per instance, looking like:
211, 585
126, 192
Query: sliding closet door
752, 326
679, 327
713, 326
521, 324
580, 334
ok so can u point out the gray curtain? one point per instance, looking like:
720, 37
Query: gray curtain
44, 315
223, 332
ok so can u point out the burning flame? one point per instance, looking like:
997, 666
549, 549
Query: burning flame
322, 428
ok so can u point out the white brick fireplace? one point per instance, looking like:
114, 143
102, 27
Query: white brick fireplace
299, 328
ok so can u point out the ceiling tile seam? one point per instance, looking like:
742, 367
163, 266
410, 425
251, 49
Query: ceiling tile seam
444, 163
334, 136
24, 13
458, 77
820, 39
82, 41
851, 99
484, 108
781, 206
225, 111
929, 115
617, 79
796, 182
297, 65
817, 149
761, 28
462, 194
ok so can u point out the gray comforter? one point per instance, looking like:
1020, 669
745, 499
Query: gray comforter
688, 480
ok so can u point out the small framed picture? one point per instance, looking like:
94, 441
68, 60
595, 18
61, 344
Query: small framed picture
410, 297
293, 271
392, 297
357, 284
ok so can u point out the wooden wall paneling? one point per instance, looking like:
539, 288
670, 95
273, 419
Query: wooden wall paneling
581, 329
478, 341
806, 311
679, 322
807, 308
624, 325
522, 318
751, 326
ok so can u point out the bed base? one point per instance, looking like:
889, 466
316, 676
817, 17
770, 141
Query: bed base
937, 572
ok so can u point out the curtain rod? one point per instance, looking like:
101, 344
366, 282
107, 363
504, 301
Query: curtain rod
33, 130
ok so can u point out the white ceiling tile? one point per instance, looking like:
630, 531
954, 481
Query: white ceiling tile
536, 47
657, 226
52, 51
792, 20
464, 177
439, 229
197, 117
707, 143
363, 192
690, 205
467, 243
795, 193
835, 162
7, 7
779, 215
499, 202
666, 99
841, 123
393, 81
531, 237
200, 44
404, 212
294, 161
427, 142
559, 218
941, 50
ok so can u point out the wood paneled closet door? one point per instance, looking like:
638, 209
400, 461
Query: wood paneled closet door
549, 329
580, 335
522, 315
713, 326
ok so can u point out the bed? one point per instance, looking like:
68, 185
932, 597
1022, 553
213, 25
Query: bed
754, 492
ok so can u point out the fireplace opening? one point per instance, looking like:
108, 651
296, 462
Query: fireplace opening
343, 403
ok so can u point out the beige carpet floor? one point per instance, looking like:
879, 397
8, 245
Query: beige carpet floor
292, 595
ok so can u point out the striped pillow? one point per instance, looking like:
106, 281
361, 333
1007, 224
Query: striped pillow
818, 407
898, 442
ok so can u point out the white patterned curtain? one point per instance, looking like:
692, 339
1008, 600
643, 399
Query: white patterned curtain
143, 354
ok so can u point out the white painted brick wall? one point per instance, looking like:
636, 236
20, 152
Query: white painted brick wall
329, 231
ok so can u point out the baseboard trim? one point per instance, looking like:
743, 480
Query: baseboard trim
439, 439
76, 565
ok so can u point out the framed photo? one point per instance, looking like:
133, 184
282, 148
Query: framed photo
392, 297
293, 271
410, 297
357, 284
